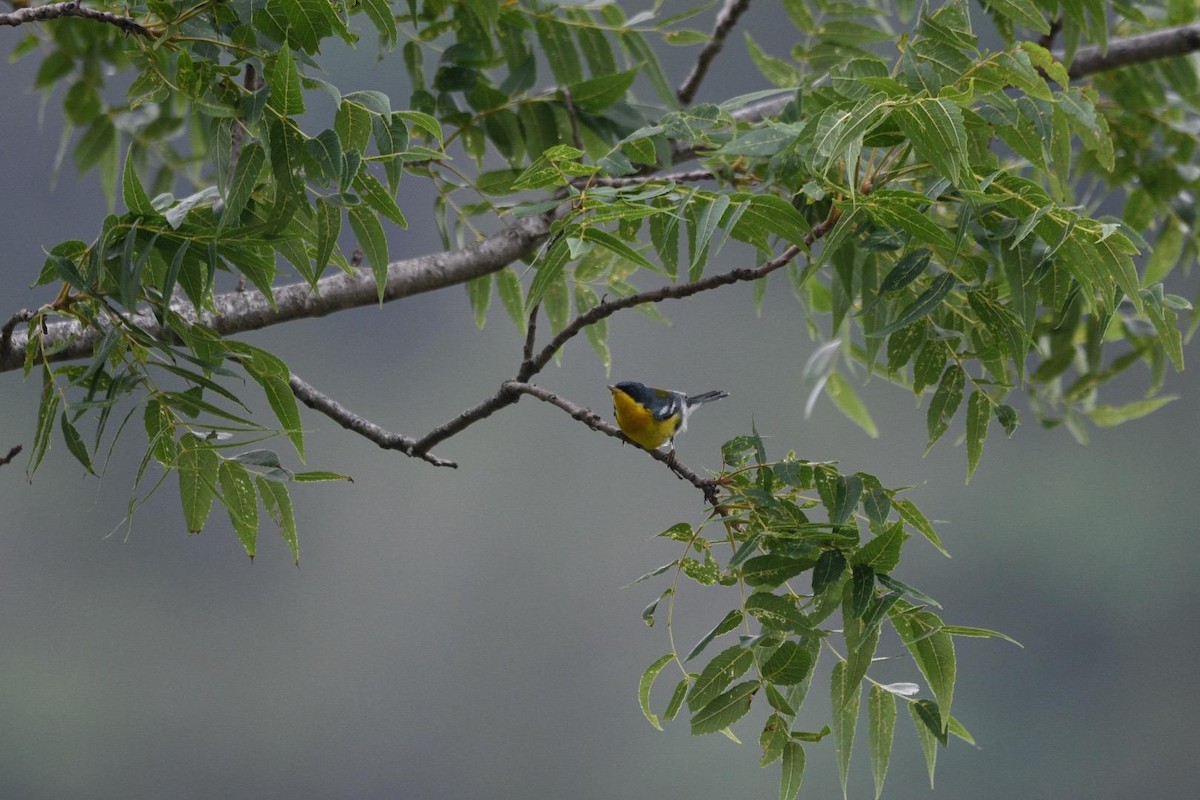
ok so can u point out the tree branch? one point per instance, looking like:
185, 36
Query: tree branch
727, 18
70, 9
343, 416
240, 311
6, 332
1135, 50
504, 397
12, 453
594, 421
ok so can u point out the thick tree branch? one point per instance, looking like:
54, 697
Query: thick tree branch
240, 311
594, 421
727, 18
1135, 50
70, 9
6, 332
343, 416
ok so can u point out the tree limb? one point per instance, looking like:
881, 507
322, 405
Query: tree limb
343, 416
597, 423
727, 18
240, 311
71, 8
1135, 50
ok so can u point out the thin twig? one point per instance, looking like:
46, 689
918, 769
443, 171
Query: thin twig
343, 416
12, 453
691, 176
727, 18
504, 397
530, 335
569, 105
1047, 39
71, 8
594, 421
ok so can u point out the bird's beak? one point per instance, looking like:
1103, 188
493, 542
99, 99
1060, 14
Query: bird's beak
612, 388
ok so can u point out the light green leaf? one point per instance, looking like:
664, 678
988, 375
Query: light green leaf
352, 124
379, 198
509, 287
849, 403
727, 623
881, 728
1106, 416
160, 432
132, 191
912, 515
1022, 12
979, 633
283, 403
647, 683
979, 415
329, 227
927, 738
245, 178
932, 649
479, 290
925, 304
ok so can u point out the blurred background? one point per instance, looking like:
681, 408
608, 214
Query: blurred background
464, 634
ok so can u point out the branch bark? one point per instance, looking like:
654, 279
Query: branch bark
71, 8
1135, 50
249, 310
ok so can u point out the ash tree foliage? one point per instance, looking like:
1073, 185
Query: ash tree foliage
990, 225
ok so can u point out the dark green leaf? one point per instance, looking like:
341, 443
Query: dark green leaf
725, 709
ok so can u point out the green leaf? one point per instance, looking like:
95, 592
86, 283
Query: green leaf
559, 50
979, 415
318, 476
160, 432
47, 410
773, 569
509, 287
198, 465
789, 665
379, 198
284, 80
881, 725
935, 128
725, 667
599, 93
728, 623
283, 403
979, 633
647, 683
352, 124
329, 227
882, 553
612, 243
1106, 416
828, 570
775, 70
777, 613
75, 444
844, 700
928, 739
849, 403
944, 405
932, 649
925, 304
725, 709
241, 501
374, 243
549, 270
676, 701
708, 218
912, 515
245, 178
793, 771
775, 215
132, 191
773, 738
1022, 12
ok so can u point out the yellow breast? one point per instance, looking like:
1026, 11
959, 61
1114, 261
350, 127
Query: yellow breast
639, 424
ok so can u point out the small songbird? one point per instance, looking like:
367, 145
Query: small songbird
652, 417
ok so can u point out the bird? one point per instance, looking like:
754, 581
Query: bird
651, 417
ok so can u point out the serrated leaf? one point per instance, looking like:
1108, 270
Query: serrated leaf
881, 728
773, 569
912, 515
725, 709
979, 415
283, 403
245, 178
789, 665
198, 465
931, 648
647, 683
945, 403
74, 442
284, 79
792, 776
160, 432
979, 633
925, 304
926, 737
676, 701
373, 241
241, 501
725, 667
829, 569
935, 128
844, 699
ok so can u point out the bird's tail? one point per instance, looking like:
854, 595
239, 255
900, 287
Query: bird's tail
706, 397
